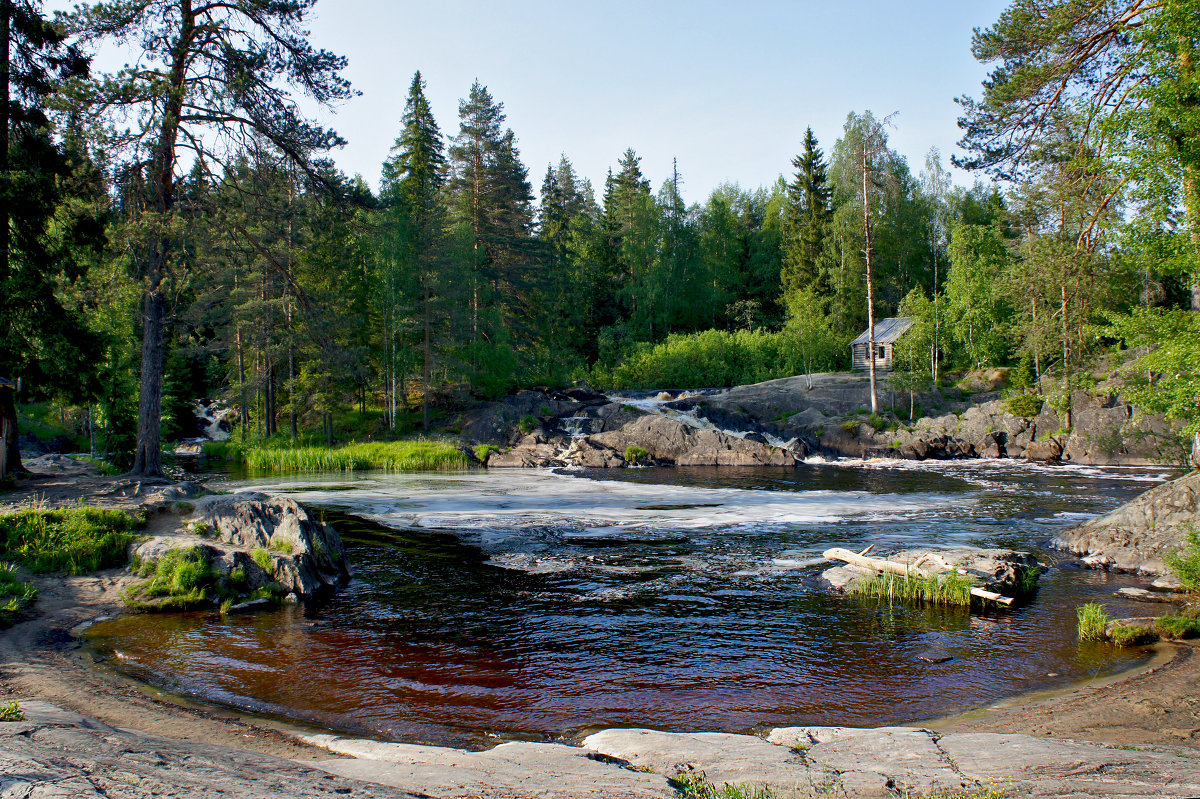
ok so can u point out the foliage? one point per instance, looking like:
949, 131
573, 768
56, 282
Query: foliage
1177, 628
15, 593
1127, 635
717, 358
527, 424
1093, 622
949, 588
1165, 377
179, 580
11, 711
264, 560
393, 456
1186, 562
75, 540
484, 451
1025, 405
635, 454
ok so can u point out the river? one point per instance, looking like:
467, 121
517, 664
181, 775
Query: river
534, 604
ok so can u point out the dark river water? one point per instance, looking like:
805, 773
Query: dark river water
534, 604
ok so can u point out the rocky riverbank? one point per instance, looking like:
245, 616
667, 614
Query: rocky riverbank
780, 422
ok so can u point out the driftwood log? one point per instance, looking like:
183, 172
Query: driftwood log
915, 569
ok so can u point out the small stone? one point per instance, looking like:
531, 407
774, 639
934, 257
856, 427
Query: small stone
935, 656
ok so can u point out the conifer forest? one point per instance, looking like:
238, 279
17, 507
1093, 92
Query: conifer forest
178, 229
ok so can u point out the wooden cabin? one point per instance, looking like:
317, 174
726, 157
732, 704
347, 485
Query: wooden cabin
887, 333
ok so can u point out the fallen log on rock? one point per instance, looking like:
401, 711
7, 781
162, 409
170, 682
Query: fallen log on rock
1001, 576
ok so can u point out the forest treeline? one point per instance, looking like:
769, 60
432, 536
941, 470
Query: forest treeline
177, 231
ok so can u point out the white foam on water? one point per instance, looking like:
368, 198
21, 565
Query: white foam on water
501, 505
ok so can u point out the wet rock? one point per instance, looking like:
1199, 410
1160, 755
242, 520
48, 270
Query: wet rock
671, 441
1046, 451
1137, 536
1003, 571
935, 656
1142, 595
305, 555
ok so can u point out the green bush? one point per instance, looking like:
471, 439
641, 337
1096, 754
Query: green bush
1124, 635
1177, 628
527, 424
635, 454
1186, 562
721, 358
1093, 622
1025, 405
263, 558
74, 540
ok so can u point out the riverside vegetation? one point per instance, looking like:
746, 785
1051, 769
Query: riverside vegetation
317, 306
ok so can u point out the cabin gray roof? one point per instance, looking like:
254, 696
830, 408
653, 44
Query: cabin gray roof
886, 330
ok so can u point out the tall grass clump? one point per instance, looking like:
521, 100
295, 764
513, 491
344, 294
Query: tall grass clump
1093, 622
15, 594
1186, 562
72, 540
697, 786
179, 580
392, 456
948, 588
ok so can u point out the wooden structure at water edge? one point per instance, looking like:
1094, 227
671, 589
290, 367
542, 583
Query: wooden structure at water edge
1001, 576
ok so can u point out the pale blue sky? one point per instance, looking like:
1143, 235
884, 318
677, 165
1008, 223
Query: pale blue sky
726, 87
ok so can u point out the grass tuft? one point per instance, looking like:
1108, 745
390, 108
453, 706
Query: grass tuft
393, 456
15, 594
179, 580
1093, 622
693, 785
1177, 628
74, 540
484, 451
1124, 635
635, 454
264, 560
949, 588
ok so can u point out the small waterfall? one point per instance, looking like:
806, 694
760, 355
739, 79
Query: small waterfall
211, 417
693, 417
577, 426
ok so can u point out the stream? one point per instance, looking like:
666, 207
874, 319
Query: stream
540, 604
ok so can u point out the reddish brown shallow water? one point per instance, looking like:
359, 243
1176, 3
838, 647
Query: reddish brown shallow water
484, 611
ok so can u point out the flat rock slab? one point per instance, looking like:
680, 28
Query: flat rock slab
56, 753
517, 770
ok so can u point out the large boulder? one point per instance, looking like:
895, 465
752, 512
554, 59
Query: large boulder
672, 441
273, 540
1137, 536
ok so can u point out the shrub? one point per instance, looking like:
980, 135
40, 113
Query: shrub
1176, 628
11, 711
527, 424
1124, 635
1186, 562
635, 454
1025, 405
1093, 622
75, 540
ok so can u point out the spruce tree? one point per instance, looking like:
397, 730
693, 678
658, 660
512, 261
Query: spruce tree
806, 219
413, 180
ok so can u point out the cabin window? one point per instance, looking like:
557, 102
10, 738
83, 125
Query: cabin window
881, 353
